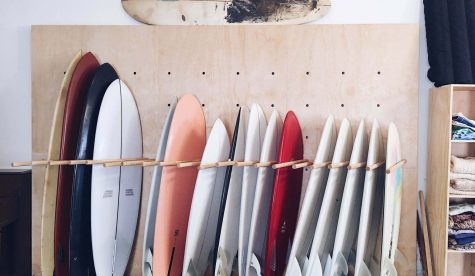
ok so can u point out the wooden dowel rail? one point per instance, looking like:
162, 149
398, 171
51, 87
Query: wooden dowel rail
356, 165
226, 163
375, 165
187, 164
321, 165
302, 165
78, 162
338, 165
265, 164
246, 163
395, 166
29, 163
208, 166
288, 164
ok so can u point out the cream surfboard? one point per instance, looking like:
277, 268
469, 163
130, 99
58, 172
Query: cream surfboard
328, 218
51, 174
215, 12
312, 202
255, 137
392, 203
350, 204
228, 239
115, 191
371, 206
149, 232
263, 197
203, 221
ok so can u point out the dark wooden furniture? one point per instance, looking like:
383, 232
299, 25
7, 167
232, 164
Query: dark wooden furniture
15, 222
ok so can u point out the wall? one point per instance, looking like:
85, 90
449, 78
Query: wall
16, 17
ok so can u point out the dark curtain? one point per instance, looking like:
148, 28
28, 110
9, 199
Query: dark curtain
450, 27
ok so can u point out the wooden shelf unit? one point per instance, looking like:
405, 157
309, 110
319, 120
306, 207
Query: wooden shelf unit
445, 101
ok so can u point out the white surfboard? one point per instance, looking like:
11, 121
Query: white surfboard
371, 206
328, 218
228, 240
348, 217
392, 203
255, 137
115, 191
263, 197
149, 232
202, 225
312, 202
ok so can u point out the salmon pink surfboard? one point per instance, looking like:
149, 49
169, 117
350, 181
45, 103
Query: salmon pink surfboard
186, 141
73, 112
285, 199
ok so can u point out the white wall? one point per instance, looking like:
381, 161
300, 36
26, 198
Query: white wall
16, 17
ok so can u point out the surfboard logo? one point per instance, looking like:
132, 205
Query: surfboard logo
129, 192
107, 193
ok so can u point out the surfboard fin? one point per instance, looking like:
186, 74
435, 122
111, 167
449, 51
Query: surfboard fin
293, 268
191, 269
328, 266
388, 268
315, 269
341, 266
304, 263
148, 262
364, 270
255, 265
222, 262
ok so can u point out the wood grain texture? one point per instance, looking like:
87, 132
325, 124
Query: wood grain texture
239, 65
426, 250
438, 173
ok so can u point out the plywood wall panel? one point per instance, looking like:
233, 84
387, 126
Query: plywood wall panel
161, 63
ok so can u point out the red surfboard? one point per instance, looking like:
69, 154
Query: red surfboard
73, 110
285, 199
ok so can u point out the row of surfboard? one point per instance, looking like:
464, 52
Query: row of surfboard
218, 220
89, 213
243, 220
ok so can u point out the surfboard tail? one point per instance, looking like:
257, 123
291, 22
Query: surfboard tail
255, 268
388, 268
148, 267
293, 268
363, 270
340, 265
314, 268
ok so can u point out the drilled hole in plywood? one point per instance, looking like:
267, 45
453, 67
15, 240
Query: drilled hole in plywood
135, 73
342, 105
308, 73
203, 105
379, 72
343, 72
272, 105
169, 104
169, 73
307, 105
203, 73
273, 73
378, 105
237, 73
306, 169
306, 137
237, 105
64, 73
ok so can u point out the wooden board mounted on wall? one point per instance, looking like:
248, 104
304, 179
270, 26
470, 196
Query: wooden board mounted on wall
352, 71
